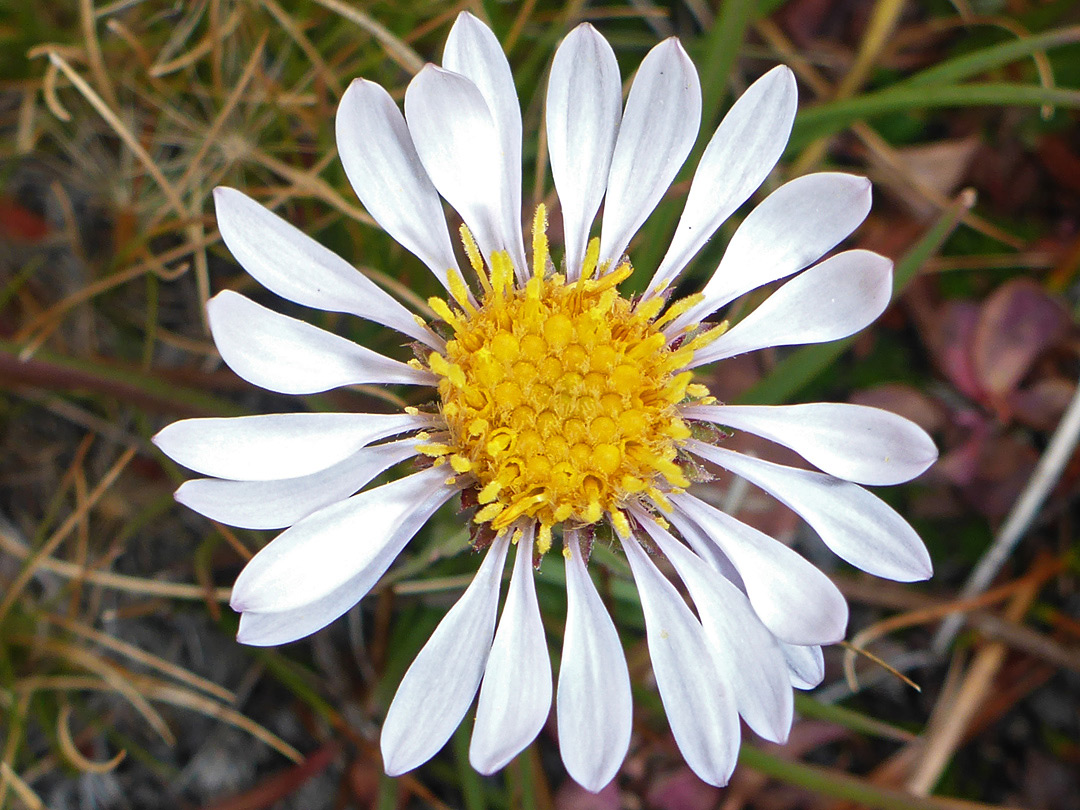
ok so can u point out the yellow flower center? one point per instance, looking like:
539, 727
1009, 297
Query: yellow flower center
560, 396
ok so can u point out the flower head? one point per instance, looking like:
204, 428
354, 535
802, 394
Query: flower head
559, 404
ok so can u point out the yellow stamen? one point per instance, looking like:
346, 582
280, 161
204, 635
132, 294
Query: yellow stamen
679, 307
592, 257
620, 523
459, 291
442, 309
543, 539
708, 336
472, 251
540, 241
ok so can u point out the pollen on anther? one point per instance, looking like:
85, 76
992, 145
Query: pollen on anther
560, 397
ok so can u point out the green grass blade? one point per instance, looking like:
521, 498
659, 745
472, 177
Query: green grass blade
719, 49
839, 785
973, 64
825, 119
850, 719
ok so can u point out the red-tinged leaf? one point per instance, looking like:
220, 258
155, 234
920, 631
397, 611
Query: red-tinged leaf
1041, 405
682, 790
960, 465
572, 796
1016, 324
17, 222
952, 343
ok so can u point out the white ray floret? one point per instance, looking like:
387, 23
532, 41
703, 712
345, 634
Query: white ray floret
442, 682
791, 229
806, 665
292, 572
830, 301
659, 126
584, 108
456, 137
280, 503
699, 704
798, 603
858, 527
274, 351
385, 171
592, 705
515, 696
473, 51
271, 250
854, 442
277, 445
747, 656
740, 155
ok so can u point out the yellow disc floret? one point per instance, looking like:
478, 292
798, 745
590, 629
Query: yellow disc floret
559, 397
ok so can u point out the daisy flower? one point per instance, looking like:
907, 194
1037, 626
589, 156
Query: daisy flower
556, 404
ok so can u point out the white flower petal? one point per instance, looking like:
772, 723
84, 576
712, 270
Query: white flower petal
859, 527
792, 228
659, 126
515, 696
473, 51
270, 629
295, 266
584, 106
707, 550
700, 708
325, 550
830, 301
853, 442
806, 665
746, 654
277, 445
441, 683
797, 602
457, 140
280, 503
290, 356
382, 165
742, 152
593, 703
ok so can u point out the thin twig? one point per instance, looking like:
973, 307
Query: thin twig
47, 548
1023, 514
953, 714
106, 579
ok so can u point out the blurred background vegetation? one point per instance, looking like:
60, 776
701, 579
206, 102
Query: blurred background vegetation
120, 683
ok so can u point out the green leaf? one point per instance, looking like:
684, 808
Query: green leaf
973, 64
825, 119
